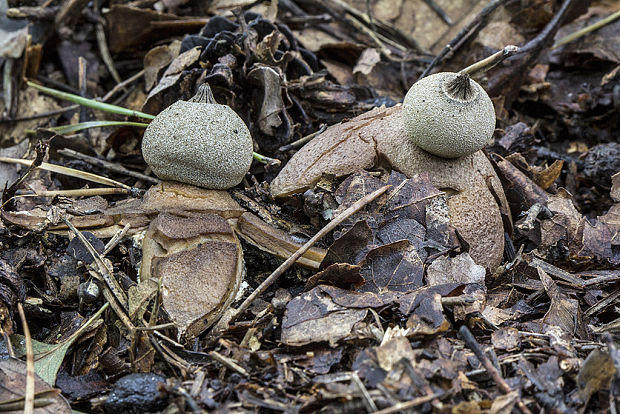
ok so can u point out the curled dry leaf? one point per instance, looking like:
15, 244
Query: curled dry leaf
378, 137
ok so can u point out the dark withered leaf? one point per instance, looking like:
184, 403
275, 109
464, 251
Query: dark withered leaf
595, 373
506, 339
408, 197
351, 299
271, 106
130, 28
564, 312
403, 229
427, 316
352, 189
322, 360
459, 269
12, 291
342, 275
348, 247
393, 267
314, 317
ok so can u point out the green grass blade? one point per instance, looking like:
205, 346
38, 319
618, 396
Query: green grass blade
91, 103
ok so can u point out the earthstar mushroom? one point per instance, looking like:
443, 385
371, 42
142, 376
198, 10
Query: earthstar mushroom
449, 115
199, 142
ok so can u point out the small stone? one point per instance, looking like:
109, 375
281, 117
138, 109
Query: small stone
136, 393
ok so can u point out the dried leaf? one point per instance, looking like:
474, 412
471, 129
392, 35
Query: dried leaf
13, 386
595, 374
459, 269
271, 114
427, 316
395, 267
313, 317
367, 61
563, 312
547, 176
506, 339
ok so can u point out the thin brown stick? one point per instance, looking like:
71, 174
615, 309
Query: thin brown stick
111, 166
487, 63
29, 397
401, 407
112, 291
472, 344
476, 24
122, 85
303, 249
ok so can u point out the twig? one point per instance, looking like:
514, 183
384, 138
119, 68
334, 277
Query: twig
401, 407
188, 399
116, 239
40, 115
108, 165
59, 169
105, 52
122, 85
439, 11
368, 402
233, 314
487, 63
112, 290
588, 29
81, 192
472, 344
229, 363
536, 44
476, 24
303, 140
29, 398
532, 214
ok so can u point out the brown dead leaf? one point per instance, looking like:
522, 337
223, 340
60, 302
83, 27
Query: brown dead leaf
504, 404
168, 90
563, 312
427, 317
313, 317
13, 386
566, 224
548, 175
130, 28
30, 102
496, 35
350, 246
367, 61
271, 112
506, 339
342, 275
615, 187
603, 43
156, 60
595, 374
397, 266
460, 269
390, 353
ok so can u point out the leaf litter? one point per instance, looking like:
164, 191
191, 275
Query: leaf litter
409, 304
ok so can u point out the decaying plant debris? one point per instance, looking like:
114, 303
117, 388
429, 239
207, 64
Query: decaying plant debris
482, 284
